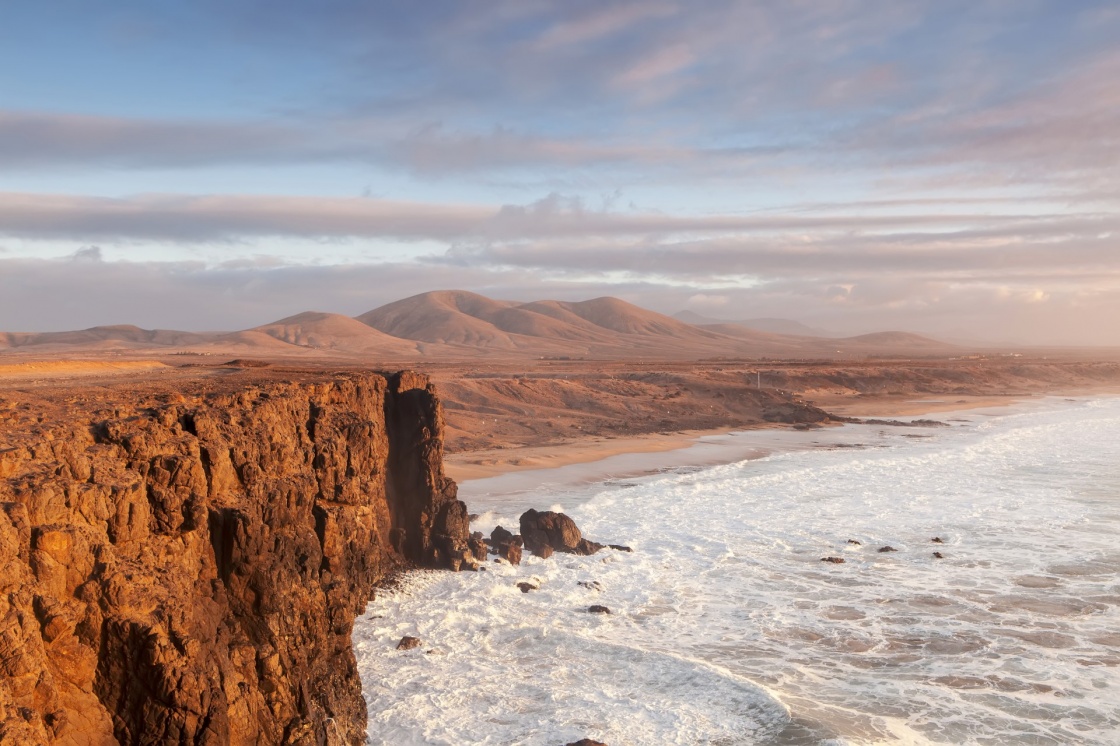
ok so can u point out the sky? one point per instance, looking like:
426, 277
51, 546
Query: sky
950, 168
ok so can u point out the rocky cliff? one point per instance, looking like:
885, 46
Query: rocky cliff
182, 563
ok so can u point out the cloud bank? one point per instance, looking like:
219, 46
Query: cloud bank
952, 168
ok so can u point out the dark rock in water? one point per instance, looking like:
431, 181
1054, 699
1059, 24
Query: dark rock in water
544, 552
500, 535
857, 542
408, 643
887, 548
510, 552
586, 742
833, 560
937, 540
596, 609
526, 587
506, 545
911, 423
938, 555
591, 585
555, 531
478, 547
620, 548
472, 517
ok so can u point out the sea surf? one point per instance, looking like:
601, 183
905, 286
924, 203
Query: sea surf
726, 627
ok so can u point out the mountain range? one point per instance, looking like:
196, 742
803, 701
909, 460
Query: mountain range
455, 324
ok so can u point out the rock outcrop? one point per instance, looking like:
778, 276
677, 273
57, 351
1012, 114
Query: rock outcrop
184, 566
506, 545
548, 531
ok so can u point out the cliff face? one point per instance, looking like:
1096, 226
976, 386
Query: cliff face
185, 566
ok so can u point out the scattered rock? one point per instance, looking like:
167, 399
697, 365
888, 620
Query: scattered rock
937, 540
526, 587
857, 542
591, 585
938, 555
511, 553
833, 560
408, 643
911, 423
596, 609
555, 531
500, 535
887, 548
478, 547
506, 545
620, 548
586, 742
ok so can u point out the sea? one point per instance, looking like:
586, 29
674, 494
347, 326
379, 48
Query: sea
725, 625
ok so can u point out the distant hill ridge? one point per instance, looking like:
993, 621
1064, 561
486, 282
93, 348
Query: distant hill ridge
457, 324
772, 326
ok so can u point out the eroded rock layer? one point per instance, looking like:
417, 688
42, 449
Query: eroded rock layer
184, 567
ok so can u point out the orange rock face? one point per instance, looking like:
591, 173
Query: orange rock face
185, 566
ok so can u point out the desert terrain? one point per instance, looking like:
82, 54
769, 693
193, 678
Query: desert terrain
526, 385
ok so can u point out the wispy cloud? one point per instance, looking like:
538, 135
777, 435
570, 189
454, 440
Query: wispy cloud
229, 217
845, 158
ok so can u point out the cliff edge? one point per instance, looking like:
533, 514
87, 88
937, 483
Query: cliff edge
182, 564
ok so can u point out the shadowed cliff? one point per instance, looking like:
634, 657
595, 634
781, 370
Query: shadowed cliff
185, 566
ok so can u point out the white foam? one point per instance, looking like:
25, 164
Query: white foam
724, 616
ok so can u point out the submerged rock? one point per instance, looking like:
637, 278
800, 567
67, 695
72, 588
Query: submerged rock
597, 609
526, 587
586, 742
408, 643
620, 548
887, 548
833, 560
938, 555
937, 540
856, 542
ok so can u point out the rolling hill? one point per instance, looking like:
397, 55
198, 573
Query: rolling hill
460, 325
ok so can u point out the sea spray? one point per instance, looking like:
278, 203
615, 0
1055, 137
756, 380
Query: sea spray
726, 628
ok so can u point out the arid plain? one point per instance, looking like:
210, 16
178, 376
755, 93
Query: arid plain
527, 385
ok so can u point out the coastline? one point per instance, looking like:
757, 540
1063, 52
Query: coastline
580, 467
469, 466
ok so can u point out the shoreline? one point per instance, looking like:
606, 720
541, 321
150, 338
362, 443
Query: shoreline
580, 470
471, 466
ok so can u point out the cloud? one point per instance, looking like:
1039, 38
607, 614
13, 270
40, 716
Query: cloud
38, 139
87, 254
564, 228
